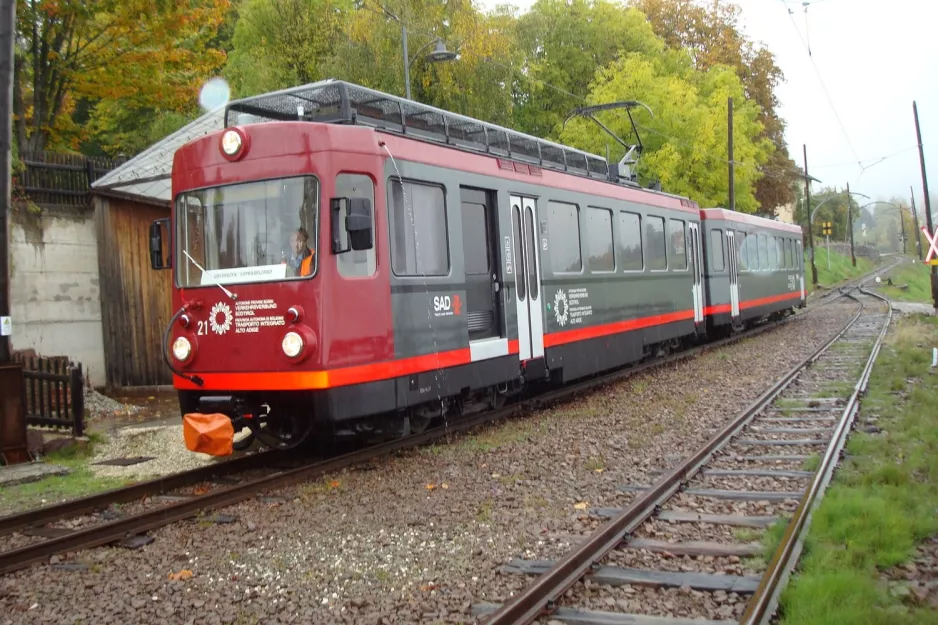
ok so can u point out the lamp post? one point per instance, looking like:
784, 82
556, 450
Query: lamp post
440, 54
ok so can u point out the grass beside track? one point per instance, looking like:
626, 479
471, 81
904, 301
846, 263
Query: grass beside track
841, 270
910, 283
80, 481
882, 501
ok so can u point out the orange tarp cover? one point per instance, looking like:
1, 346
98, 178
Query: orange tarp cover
210, 434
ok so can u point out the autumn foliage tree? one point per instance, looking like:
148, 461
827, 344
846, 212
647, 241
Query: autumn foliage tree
142, 53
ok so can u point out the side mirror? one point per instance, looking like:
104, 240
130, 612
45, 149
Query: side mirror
156, 244
357, 224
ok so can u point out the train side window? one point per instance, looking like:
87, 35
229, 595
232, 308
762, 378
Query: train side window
752, 241
789, 257
763, 253
716, 250
419, 243
599, 239
564, 237
773, 255
355, 263
678, 244
655, 243
780, 252
742, 253
630, 241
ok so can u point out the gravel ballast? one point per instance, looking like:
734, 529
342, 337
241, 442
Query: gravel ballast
421, 536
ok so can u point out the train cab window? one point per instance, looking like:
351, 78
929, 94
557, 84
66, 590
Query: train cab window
678, 244
716, 250
763, 253
419, 245
655, 243
599, 239
259, 231
356, 263
564, 237
773, 254
630, 241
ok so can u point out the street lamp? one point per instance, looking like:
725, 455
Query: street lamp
853, 257
439, 55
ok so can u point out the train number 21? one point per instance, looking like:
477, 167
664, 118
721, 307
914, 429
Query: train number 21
203, 328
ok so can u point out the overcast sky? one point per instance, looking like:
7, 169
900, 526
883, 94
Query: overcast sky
875, 58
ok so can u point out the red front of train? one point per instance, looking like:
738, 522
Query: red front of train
260, 318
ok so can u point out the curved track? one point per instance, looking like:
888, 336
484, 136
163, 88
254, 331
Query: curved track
806, 413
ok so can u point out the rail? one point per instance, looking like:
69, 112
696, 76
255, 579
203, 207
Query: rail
762, 605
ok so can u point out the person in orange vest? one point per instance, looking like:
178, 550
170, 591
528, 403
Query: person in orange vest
302, 260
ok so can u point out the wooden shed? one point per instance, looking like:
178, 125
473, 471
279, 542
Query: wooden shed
135, 299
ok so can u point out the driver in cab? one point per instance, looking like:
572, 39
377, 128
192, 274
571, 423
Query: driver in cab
301, 262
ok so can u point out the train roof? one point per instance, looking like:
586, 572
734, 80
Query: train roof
752, 220
336, 101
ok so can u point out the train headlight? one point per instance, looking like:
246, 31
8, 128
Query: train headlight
231, 142
292, 344
182, 349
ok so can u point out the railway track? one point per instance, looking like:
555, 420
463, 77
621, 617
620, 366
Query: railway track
92, 521
675, 550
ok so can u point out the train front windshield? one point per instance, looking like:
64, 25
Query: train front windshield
252, 232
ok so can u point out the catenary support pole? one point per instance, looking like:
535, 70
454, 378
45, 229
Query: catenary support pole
729, 133
853, 255
807, 204
928, 220
918, 233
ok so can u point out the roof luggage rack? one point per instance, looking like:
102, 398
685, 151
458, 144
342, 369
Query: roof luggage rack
336, 101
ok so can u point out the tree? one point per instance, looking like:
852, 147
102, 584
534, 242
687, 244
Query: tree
685, 147
562, 44
711, 35
145, 53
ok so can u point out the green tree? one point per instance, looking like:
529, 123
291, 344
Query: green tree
562, 45
685, 140
710, 33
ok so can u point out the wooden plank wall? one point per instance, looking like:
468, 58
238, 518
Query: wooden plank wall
135, 300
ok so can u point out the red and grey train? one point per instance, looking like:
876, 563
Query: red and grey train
348, 261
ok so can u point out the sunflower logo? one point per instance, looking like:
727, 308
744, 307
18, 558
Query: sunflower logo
561, 311
220, 326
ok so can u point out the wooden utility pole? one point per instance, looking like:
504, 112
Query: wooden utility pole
13, 449
7, 21
918, 233
931, 228
807, 207
853, 256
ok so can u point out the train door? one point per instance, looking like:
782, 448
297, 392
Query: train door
478, 230
697, 268
733, 271
527, 278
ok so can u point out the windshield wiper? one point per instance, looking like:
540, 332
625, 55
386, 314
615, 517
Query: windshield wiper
227, 292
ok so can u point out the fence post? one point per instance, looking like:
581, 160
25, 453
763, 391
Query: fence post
78, 401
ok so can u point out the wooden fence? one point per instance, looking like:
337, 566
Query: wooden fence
55, 394
60, 179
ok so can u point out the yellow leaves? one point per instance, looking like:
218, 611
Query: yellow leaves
181, 575
335, 484
581, 505
432, 486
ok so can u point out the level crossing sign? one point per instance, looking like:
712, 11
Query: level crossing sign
932, 257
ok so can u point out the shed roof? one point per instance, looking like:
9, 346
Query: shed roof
148, 175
